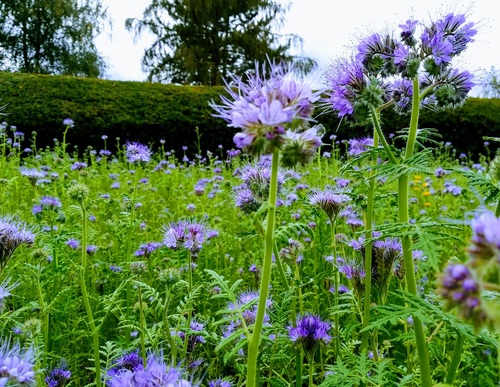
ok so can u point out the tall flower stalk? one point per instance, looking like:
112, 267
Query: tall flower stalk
273, 114
79, 193
388, 71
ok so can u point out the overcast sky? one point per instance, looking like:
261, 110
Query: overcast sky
329, 28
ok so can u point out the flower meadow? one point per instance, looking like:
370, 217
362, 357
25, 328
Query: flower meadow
292, 259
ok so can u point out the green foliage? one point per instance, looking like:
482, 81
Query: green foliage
51, 37
180, 115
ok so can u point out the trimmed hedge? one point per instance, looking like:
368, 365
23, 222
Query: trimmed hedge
148, 112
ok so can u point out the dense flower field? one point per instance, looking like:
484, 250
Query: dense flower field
295, 259
166, 254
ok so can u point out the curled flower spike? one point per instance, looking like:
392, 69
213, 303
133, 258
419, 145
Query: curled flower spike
187, 234
486, 237
269, 103
59, 376
12, 235
460, 289
310, 332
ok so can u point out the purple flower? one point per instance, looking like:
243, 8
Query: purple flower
146, 249
32, 174
5, 290
346, 81
78, 165
59, 376
486, 237
407, 31
12, 235
219, 383
459, 288
137, 152
130, 361
359, 145
73, 243
156, 373
309, 332
247, 305
16, 365
264, 108
450, 187
186, 234
301, 147
91, 249
330, 201
68, 122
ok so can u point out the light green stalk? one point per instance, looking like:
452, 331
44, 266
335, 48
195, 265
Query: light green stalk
368, 248
253, 346
93, 329
403, 211
455, 360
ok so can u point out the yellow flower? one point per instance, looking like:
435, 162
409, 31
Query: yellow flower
427, 204
426, 193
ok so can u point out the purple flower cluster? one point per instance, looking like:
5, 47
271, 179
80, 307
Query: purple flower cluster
146, 249
219, 383
16, 366
486, 237
330, 201
452, 188
247, 304
187, 234
137, 152
309, 332
384, 66
194, 336
58, 377
359, 145
12, 235
130, 371
460, 289
265, 107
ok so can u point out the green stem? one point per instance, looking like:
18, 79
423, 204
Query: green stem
336, 286
497, 211
368, 248
298, 370
86, 302
311, 373
455, 360
411, 283
378, 130
142, 323
253, 346
281, 271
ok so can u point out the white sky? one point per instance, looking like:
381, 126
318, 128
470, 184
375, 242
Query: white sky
329, 28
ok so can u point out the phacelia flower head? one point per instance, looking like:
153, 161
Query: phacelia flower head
301, 147
330, 201
486, 237
5, 291
359, 145
59, 376
137, 152
156, 373
187, 234
16, 365
310, 332
269, 103
12, 235
460, 289
346, 80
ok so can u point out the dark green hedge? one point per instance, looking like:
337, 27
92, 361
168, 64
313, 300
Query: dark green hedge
148, 112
